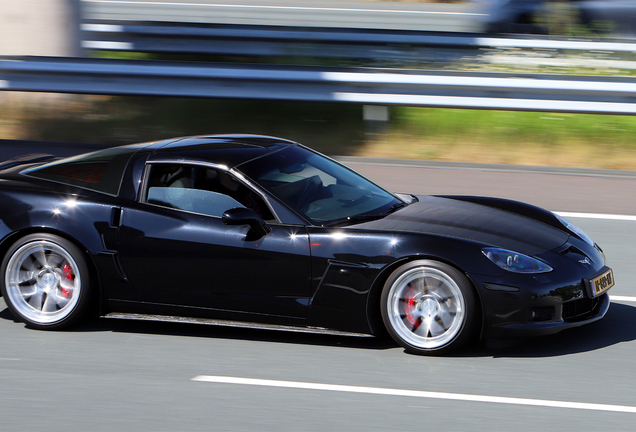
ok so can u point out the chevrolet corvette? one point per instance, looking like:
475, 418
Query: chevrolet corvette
262, 231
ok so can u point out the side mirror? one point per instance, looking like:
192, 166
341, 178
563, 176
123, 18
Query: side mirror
245, 216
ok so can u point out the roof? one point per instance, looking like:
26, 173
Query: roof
227, 150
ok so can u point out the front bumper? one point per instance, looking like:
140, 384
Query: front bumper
539, 306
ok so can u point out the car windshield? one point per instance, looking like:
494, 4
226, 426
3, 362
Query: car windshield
319, 188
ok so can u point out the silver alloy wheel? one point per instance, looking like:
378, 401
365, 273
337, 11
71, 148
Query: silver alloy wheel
426, 308
43, 282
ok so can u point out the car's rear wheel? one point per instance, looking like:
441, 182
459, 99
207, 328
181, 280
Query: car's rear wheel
428, 307
45, 281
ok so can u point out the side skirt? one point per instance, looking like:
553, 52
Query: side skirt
227, 323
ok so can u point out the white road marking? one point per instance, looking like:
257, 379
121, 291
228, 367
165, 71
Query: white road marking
303, 8
597, 216
416, 394
622, 298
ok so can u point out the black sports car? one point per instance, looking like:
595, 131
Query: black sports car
234, 229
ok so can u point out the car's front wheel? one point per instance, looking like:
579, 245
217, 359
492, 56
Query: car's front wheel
428, 307
45, 281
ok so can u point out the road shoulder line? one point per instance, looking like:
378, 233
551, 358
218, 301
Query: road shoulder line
596, 216
472, 166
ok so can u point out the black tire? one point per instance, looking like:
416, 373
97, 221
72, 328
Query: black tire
428, 307
45, 281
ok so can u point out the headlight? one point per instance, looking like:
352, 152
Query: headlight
576, 230
515, 262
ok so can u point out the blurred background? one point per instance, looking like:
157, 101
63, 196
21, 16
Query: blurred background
530, 82
524, 82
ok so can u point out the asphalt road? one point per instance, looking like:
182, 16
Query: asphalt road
306, 13
124, 375
557, 189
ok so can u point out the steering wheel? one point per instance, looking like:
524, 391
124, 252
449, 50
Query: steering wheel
313, 185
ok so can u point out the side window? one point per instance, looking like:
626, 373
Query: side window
201, 190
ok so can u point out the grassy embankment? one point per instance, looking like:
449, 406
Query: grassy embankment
526, 138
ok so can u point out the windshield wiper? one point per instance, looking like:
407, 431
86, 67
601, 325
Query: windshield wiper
356, 218
395, 207
366, 217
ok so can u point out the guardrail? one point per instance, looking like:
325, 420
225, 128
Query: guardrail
315, 42
305, 13
556, 93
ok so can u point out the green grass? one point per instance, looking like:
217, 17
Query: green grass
602, 141
537, 127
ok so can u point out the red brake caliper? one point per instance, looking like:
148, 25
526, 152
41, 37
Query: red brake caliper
409, 305
67, 273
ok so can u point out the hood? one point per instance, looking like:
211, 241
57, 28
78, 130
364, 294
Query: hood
474, 222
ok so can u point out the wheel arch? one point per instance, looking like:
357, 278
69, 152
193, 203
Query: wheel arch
374, 315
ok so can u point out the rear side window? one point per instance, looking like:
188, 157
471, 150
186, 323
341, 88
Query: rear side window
101, 171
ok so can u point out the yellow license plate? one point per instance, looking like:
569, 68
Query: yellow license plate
602, 283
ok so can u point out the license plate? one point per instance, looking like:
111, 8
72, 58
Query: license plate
602, 283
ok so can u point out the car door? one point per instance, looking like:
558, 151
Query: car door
175, 249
